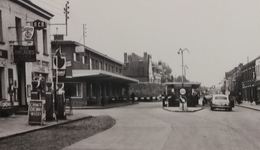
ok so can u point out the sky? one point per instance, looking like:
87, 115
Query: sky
219, 34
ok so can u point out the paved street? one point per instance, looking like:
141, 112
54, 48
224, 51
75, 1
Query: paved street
147, 126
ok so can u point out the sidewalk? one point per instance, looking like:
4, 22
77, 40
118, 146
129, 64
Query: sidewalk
11, 126
249, 105
177, 109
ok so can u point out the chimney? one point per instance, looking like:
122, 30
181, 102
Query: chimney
125, 58
145, 55
58, 37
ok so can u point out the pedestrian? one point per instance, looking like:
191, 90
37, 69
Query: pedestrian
163, 99
133, 97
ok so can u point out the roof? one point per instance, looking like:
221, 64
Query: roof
250, 63
88, 48
100, 73
34, 8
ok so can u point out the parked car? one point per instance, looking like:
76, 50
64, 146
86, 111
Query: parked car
220, 101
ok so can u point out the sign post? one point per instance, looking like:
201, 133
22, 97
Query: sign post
183, 100
36, 112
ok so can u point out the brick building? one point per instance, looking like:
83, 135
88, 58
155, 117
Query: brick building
249, 82
233, 80
20, 71
245, 80
141, 68
92, 77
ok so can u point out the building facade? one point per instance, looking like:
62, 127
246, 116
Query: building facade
244, 81
249, 82
91, 77
141, 68
233, 81
18, 72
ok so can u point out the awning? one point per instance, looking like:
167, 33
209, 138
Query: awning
101, 74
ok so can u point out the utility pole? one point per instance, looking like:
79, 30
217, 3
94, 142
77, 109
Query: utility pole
66, 12
84, 33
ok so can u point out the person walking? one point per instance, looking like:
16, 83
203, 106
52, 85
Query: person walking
133, 97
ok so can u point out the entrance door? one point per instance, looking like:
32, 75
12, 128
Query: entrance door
21, 84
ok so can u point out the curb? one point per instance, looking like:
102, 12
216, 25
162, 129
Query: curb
191, 111
105, 107
248, 107
44, 127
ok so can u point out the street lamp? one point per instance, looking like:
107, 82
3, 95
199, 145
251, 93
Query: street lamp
182, 61
185, 68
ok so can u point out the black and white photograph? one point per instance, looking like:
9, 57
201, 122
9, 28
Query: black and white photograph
129, 75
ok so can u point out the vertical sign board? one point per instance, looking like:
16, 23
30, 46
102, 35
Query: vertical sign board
35, 112
257, 69
24, 53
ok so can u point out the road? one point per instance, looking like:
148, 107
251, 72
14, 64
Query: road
146, 126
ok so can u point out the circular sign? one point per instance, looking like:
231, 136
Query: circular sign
182, 91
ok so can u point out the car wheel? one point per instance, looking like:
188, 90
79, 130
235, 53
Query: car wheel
211, 108
230, 109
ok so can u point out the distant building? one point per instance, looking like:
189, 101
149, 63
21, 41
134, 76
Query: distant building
233, 80
19, 63
244, 81
141, 68
250, 84
92, 77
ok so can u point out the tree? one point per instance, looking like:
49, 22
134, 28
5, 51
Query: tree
166, 72
179, 79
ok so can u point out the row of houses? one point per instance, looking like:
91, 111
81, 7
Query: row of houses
90, 78
243, 81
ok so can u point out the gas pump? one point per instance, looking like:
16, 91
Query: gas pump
49, 102
60, 102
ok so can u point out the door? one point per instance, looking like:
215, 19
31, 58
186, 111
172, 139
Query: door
21, 84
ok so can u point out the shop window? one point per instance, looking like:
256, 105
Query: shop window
1, 28
75, 89
45, 43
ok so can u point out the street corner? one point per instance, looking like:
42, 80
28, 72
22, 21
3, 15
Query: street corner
178, 109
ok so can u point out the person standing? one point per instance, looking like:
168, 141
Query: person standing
133, 97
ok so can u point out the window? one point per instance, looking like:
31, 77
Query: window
76, 57
18, 26
83, 60
1, 28
35, 40
73, 90
45, 43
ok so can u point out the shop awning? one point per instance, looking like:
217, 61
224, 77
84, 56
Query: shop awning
101, 74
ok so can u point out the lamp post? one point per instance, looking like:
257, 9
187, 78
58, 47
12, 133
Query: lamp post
182, 62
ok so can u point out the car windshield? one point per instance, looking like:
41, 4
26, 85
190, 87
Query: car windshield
220, 98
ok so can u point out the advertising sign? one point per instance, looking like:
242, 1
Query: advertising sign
24, 53
28, 33
257, 69
39, 25
35, 112
79, 49
182, 91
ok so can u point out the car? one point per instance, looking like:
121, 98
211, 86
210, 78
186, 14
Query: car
220, 101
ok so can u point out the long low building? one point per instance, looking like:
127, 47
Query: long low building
92, 78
